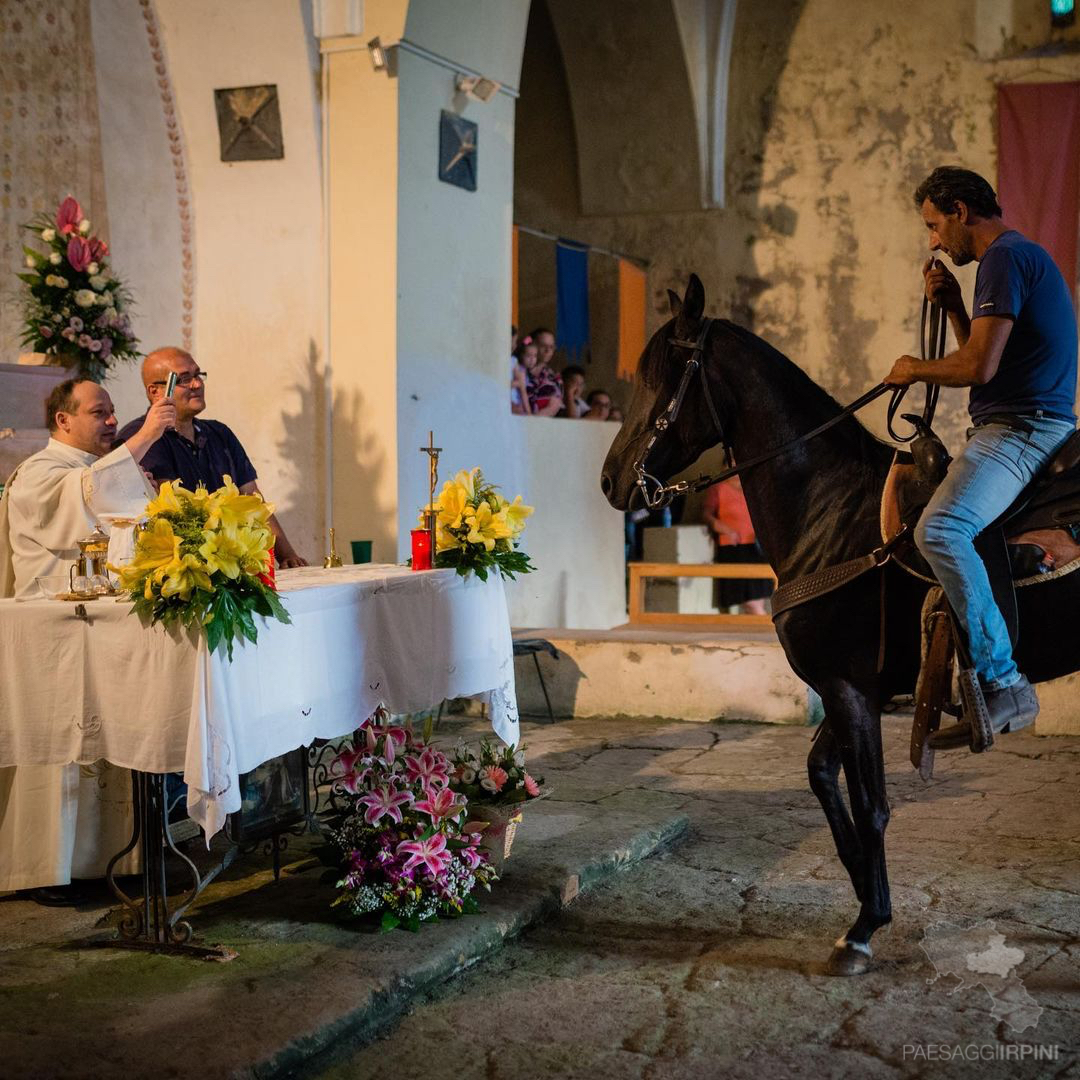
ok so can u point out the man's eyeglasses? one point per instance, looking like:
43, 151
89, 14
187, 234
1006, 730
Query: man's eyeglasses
184, 380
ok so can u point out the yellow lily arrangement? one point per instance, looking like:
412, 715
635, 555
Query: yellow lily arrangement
202, 559
477, 528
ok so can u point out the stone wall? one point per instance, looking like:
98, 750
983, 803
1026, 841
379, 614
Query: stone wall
836, 112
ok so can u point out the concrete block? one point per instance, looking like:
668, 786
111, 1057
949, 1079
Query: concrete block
676, 674
679, 544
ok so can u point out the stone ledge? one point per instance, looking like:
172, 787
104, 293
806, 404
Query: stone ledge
673, 674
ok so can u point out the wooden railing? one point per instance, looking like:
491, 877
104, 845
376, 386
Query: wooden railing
639, 571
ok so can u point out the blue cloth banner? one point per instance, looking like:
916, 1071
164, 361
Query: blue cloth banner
572, 299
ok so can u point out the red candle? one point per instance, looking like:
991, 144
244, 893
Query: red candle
270, 577
421, 549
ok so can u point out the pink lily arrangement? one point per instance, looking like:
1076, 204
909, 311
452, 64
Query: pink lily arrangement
76, 309
401, 850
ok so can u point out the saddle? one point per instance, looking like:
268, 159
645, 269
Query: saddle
1037, 536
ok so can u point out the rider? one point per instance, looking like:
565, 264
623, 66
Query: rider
1018, 353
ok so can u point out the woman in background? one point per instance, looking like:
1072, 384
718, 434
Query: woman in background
728, 518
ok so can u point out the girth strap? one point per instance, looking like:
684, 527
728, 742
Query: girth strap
829, 578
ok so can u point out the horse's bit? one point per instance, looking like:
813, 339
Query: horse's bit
662, 494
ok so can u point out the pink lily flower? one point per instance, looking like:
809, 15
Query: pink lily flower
78, 254
68, 216
427, 767
441, 804
354, 781
98, 248
384, 802
347, 761
398, 734
430, 853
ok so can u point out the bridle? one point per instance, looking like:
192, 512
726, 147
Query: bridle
656, 494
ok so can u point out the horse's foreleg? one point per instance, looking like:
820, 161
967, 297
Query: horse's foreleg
857, 730
823, 767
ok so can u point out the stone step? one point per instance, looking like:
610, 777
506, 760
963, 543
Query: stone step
304, 983
673, 674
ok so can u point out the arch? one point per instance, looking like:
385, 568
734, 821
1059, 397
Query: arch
637, 134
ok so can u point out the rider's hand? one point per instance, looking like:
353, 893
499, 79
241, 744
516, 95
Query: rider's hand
160, 417
941, 287
903, 373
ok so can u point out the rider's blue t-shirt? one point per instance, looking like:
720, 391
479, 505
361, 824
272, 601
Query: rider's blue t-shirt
1018, 279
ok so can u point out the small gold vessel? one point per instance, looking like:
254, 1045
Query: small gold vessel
333, 559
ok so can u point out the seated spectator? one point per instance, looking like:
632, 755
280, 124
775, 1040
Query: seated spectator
599, 402
543, 388
728, 518
616, 414
545, 346
573, 380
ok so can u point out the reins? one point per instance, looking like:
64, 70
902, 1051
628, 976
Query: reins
662, 494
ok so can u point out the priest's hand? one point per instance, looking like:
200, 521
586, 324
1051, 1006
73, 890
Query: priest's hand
159, 418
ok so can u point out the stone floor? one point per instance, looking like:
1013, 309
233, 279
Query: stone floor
705, 960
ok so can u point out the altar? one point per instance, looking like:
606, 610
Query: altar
79, 683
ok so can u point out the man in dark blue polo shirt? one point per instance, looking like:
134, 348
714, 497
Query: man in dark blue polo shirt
197, 451
1017, 352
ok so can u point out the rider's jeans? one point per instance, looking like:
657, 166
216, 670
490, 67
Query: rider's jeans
982, 482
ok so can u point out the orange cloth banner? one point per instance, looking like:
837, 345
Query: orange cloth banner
631, 318
514, 278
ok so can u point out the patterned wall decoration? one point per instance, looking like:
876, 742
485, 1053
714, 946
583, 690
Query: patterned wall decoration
50, 139
183, 192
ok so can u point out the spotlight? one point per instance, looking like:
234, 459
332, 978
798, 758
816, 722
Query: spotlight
477, 87
378, 54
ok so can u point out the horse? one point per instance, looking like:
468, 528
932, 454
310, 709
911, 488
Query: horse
814, 505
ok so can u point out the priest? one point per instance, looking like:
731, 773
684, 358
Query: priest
60, 822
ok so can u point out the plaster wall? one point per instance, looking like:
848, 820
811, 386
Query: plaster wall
452, 335
256, 243
144, 230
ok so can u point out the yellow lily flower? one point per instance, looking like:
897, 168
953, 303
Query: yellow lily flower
182, 576
155, 547
516, 513
223, 552
467, 479
230, 510
167, 501
485, 527
452, 503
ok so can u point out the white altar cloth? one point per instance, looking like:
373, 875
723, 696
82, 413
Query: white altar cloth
156, 700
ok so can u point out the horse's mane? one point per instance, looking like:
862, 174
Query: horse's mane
657, 368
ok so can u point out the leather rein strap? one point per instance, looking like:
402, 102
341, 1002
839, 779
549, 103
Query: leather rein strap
657, 494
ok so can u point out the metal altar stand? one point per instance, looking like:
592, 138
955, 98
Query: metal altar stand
156, 922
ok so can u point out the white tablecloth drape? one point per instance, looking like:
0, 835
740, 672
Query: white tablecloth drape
74, 690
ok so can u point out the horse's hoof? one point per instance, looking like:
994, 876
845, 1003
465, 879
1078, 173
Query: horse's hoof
849, 958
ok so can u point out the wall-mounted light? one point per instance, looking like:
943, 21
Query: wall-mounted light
1062, 13
477, 87
377, 54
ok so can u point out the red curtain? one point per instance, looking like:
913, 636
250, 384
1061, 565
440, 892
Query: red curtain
1039, 166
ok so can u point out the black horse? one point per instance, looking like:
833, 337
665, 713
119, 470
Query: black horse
814, 506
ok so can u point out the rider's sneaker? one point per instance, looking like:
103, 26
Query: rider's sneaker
1010, 710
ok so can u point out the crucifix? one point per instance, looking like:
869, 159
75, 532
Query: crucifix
433, 453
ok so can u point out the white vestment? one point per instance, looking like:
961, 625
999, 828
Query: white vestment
62, 821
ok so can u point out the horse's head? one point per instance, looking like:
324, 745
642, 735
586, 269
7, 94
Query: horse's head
660, 370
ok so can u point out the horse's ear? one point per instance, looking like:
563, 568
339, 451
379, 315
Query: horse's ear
693, 304
675, 302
